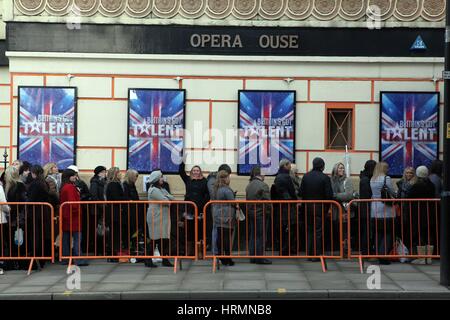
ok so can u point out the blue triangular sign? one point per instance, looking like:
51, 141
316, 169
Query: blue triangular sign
418, 44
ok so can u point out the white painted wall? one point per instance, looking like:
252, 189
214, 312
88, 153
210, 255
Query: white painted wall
212, 84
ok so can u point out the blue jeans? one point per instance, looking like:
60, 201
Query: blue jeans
256, 231
214, 248
76, 250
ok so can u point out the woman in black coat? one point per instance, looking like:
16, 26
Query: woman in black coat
114, 213
136, 212
40, 219
363, 215
197, 192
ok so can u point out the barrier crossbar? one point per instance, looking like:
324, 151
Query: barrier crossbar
128, 230
307, 229
28, 232
390, 229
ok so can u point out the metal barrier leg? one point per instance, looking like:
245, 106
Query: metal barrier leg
324, 264
214, 264
361, 264
30, 267
175, 265
69, 265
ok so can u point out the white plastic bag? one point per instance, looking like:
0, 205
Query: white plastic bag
18, 237
240, 215
156, 253
401, 250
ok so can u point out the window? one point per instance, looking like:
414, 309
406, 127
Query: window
340, 125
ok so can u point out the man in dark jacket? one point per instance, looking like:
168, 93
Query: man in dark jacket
284, 190
258, 190
316, 186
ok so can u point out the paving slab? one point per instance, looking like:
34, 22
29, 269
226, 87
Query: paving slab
244, 285
27, 289
383, 287
258, 275
114, 287
157, 287
124, 277
399, 276
421, 286
288, 285
280, 276
332, 284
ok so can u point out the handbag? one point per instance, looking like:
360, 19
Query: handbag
385, 194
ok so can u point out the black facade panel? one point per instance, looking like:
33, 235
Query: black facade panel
176, 39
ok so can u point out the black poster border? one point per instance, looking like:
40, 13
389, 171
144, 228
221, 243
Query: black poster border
239, 127
75, 117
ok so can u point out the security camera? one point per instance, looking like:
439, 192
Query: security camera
288, 80
70, 76
178, 78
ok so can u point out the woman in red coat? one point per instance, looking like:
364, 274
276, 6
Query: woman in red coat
71, 218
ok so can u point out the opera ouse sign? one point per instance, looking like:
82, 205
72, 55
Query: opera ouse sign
227, 41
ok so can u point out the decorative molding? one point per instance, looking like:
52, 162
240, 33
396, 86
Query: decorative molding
250, 10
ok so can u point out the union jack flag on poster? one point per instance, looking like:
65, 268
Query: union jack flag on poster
409, 129
47, 125
155, 129
266, 129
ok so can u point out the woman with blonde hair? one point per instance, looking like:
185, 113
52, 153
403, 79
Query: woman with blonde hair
16, 191
52, 178
114, 213
135, 211
224, 216
343, 193
406, 182
382, 213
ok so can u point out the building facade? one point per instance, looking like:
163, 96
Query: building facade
338, 55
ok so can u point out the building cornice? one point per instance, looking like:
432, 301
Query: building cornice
231, 12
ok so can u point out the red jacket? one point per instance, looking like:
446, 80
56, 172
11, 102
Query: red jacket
70, 193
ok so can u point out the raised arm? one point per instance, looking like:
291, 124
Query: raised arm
182, 172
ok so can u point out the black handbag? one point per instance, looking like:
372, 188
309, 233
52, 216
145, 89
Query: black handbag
385, 194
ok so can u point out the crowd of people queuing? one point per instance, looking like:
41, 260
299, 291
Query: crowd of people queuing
24, 182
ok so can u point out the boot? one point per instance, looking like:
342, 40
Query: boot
421, 251
166, 263
190, 248
200, 250
430, 250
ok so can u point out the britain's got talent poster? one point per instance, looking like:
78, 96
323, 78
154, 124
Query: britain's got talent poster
409, 134
266, 129
155, 129
47, 127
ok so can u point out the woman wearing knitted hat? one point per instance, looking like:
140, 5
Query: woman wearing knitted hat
158, 219
423, 215
71, 216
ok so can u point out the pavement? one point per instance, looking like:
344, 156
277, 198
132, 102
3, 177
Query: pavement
284, 279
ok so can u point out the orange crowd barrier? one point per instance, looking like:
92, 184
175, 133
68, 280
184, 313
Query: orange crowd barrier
128, 230
390, 229
27, 232
273, 230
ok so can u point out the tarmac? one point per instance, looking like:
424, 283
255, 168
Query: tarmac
284, 279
